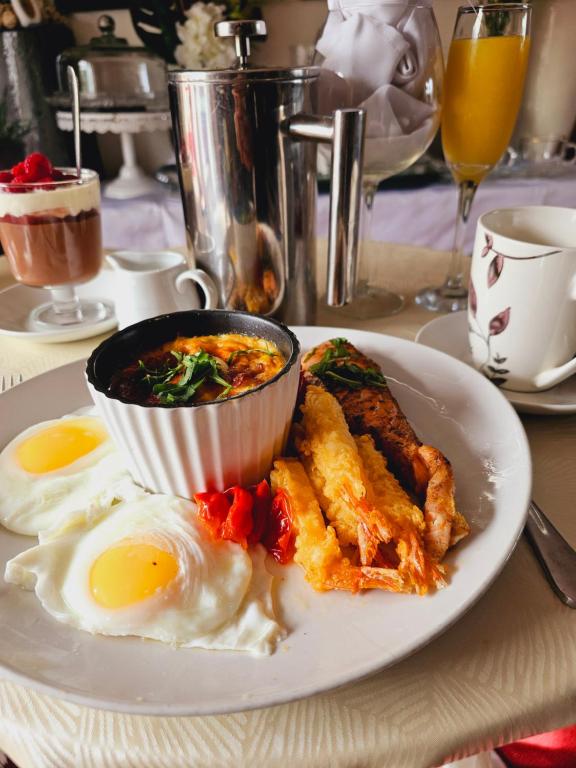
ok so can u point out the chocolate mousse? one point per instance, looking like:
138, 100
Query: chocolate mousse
49, 249
50, 226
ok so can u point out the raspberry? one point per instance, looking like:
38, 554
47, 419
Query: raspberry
18, 169
34, 169
37, 166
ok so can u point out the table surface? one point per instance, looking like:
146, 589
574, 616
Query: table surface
507, 669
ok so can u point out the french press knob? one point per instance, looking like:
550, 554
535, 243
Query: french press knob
344, 131
241, 31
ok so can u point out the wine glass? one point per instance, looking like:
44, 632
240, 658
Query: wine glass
386, 58
483, 87
51, 234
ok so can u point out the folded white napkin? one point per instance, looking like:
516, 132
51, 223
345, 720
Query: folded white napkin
376, 55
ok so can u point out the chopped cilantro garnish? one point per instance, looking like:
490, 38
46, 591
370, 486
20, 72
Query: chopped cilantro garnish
192, 372
336, 366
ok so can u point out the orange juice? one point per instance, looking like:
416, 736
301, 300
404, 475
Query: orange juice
482, 95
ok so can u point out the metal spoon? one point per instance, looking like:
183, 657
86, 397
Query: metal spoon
75, 98
557, 557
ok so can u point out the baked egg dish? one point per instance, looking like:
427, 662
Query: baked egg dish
198, 369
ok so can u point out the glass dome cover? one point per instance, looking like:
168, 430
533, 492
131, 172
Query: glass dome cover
113, 75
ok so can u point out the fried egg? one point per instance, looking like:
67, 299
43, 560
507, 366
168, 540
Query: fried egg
56, 467
148, 568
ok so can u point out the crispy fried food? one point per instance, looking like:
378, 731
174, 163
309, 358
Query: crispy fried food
347, 479
370, 408
460, 528
317, 549
439, 508
415, 564
332, 462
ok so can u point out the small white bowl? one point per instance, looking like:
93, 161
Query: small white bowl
189, 448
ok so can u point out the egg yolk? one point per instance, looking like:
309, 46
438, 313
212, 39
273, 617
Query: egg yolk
128, 573
59, 445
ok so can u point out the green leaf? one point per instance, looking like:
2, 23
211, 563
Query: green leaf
336, 366
193, 370
352, 383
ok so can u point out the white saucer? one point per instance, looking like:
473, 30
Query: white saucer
449, 334
17, 301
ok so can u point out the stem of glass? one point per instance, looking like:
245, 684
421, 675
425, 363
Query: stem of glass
66, 305
363, 274
454, 284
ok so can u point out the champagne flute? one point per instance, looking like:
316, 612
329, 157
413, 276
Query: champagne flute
385, 57
483, 87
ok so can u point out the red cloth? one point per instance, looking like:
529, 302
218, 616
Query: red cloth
556, 749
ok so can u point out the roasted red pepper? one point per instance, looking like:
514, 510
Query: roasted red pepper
260, 511
213, 510
279, 536
238, 524
248, 516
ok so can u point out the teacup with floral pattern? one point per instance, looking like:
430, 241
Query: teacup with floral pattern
522, 297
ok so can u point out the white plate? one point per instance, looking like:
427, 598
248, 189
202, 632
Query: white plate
17, 301
334, 638
449, 334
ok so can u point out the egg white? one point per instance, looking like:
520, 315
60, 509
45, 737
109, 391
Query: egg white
33, 503
219, 598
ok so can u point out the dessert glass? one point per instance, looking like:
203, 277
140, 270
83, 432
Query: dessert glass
52, 237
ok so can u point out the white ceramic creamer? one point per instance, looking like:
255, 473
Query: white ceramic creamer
147, 284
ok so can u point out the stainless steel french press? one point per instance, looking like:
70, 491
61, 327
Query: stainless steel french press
246, 151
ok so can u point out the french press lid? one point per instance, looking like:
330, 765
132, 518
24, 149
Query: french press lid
243, 31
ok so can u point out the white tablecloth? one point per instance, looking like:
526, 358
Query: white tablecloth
422, 217
506, 669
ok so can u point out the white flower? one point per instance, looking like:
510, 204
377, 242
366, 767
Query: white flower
200, 48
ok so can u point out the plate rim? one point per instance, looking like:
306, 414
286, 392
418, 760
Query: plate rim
265, 700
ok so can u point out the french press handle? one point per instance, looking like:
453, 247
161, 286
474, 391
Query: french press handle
345, 132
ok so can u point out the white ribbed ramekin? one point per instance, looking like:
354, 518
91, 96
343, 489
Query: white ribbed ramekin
190, 448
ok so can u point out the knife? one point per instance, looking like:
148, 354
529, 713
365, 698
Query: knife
556, 556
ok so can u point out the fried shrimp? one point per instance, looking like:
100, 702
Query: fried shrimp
444, 525
318, 551
415, 564
332, 462
369, 408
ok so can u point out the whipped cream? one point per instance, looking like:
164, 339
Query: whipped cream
73, 198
